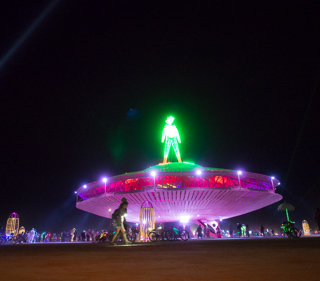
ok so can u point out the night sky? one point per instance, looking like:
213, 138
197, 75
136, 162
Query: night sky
86, 87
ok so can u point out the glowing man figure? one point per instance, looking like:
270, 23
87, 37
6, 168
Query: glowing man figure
171, 135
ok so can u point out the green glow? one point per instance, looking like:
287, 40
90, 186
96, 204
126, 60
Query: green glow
171, 137
287, 215
188, 163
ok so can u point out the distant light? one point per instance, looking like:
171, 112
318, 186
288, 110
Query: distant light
158, 216
279, 183
137, 224
188, 163
198, 172
272, 178
220, 219
198, 215
104, 180
239, 172
109, 210
153, 173
144, 222
75, 192
85, 186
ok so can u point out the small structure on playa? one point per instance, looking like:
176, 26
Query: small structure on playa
12, 226
306, 227
147, 220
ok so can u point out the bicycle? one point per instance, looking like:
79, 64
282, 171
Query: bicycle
156, 235
289, 230
175, 234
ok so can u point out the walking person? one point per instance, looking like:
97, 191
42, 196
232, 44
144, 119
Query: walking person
120, 219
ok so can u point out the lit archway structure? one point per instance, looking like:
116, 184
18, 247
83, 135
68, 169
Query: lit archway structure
12, 226
181, 190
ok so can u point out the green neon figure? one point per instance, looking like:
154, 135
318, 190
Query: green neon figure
171, 135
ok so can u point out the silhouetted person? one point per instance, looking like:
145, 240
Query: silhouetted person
239, 229
120, 220
317, 218
247, 230
230, 230
199, 231
262, 230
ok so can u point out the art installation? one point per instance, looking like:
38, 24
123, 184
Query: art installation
147, 220
171, 137
180, 191
12, 226
305, 227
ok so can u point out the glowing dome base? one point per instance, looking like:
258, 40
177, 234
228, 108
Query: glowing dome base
181, 190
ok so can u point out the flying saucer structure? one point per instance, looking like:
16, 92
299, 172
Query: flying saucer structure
180, 190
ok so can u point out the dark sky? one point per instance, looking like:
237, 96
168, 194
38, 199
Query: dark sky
241, 80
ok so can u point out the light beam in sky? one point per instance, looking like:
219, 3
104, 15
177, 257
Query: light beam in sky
28, 32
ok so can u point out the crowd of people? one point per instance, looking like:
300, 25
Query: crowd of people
120, 224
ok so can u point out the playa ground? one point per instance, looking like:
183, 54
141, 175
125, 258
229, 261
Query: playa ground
218, 259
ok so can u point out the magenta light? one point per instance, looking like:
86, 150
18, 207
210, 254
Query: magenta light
211, 196
104, 180
239, 172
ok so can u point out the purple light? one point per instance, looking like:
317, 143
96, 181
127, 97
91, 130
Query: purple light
272, 178
85, 186
239, 172
75, 192
104, 180
198, 172
153, 173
